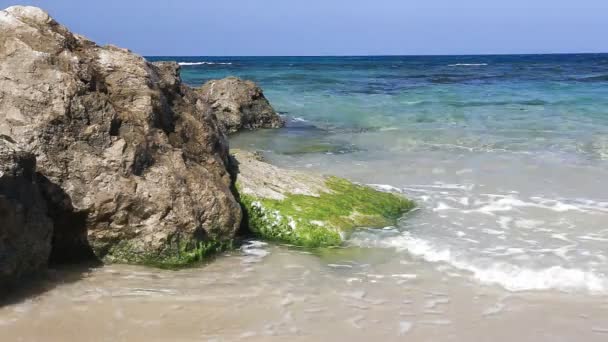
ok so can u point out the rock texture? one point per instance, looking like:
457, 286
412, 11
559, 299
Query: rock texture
306, 209
25, 230
239, 104
134, 161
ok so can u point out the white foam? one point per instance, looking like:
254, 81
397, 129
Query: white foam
404, 327
468, 64
203, 63
442, 206
600, 330
385, 187
509, 276
436, 322
502, 203
255, 250
493, 310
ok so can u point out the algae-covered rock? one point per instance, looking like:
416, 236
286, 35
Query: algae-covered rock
307, 209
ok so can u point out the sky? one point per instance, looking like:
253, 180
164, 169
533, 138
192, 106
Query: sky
336, 27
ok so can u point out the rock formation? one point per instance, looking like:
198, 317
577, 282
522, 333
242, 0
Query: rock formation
239, 104
25, 230
134, 163
306, 209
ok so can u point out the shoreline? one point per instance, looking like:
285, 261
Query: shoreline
223, 300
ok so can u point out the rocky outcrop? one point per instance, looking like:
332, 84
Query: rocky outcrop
25, 230
134, 163
306, 209
239, 104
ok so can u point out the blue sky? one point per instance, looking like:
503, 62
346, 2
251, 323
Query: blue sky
337, 27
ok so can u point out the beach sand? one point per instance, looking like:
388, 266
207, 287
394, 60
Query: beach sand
265, 293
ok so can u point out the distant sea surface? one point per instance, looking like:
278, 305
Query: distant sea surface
507, 156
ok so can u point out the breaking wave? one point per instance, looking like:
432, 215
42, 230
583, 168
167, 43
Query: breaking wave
468, 64
203, 63
509, 276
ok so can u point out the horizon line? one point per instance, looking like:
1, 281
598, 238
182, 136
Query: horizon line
397, 55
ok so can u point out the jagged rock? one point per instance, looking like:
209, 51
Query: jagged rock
133, 166
239, 104
25, 230
307, 209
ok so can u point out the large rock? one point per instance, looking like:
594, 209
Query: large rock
25, 230
239, 104
133, 166
306, 209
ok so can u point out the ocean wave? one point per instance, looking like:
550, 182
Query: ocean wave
598, 78
509, 276
492, 204
462, 104
468, 64
298, 119
203, 63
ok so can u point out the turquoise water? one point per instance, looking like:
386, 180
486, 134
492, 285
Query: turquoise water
506, 156
553, 103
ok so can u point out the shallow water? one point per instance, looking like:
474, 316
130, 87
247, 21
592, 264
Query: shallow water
506, 157
266, 292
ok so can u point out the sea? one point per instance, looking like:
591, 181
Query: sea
506, 157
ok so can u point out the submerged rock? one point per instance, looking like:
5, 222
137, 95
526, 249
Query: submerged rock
239, 104
309, 210
25, 230
134, 163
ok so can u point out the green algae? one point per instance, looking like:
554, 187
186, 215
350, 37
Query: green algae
177, 254
321, 147
324, 220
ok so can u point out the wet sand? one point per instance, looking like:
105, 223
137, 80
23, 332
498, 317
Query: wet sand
266, 292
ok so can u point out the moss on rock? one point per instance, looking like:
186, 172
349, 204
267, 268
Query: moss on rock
325, 219
177, 254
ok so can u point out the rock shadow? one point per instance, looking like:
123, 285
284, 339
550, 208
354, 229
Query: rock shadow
71, 256
70, 243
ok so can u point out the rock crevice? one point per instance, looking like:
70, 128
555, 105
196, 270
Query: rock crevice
25, 228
